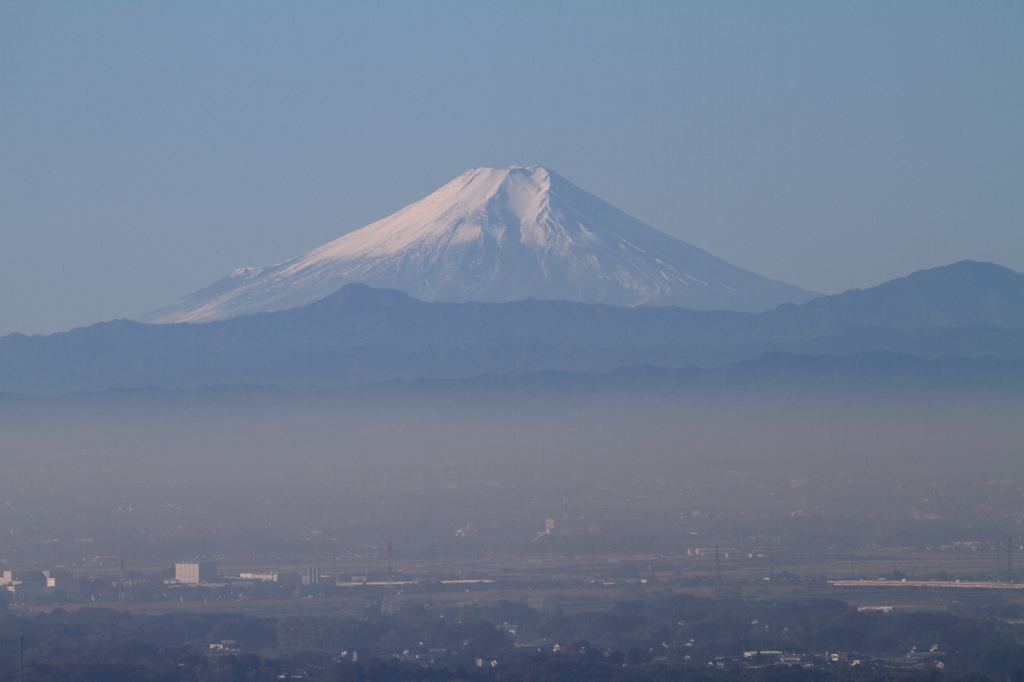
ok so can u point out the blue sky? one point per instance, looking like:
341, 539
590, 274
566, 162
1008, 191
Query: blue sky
148, 149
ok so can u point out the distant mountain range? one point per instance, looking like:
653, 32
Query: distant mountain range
876, 375
498, 235
359, 335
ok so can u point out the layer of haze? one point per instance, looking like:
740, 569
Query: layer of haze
148, 149
277, 476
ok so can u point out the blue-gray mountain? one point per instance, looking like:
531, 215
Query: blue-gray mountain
359, 335
874, 374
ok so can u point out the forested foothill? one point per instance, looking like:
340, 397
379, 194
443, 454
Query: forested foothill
670, 638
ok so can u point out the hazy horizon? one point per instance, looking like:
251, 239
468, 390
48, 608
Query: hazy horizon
586, 424
149, 150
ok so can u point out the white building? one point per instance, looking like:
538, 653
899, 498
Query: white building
36, 583
196, 573
63, 580
272, 577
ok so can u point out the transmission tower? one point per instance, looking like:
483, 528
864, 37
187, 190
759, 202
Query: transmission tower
120, 582
1009, 558
387, 605
718, 573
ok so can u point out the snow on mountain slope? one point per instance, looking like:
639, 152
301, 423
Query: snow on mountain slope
498, 235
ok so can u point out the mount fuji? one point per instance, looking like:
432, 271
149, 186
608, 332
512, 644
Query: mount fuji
497, 235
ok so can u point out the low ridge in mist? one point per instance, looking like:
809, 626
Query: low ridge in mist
359, 335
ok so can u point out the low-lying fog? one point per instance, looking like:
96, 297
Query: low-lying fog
164, 476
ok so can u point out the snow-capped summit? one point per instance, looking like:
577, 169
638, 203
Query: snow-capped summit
498, 235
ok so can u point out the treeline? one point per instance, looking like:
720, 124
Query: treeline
167, 665
671, 638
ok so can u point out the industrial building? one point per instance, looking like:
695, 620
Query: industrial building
196, 573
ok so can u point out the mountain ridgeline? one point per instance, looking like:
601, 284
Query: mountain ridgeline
359, 335
498, 235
